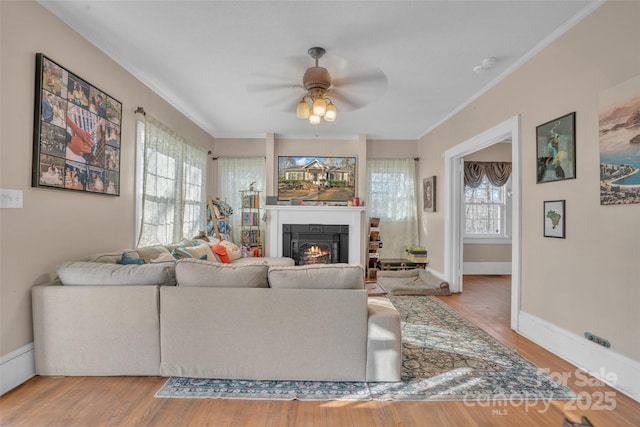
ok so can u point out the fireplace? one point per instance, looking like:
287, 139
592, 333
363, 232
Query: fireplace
279, 215
316, 243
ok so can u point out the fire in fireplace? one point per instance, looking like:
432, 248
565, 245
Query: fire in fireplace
314, 254
316, 243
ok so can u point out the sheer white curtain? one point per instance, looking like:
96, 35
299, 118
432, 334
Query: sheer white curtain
235, 174
391, 196
173, 192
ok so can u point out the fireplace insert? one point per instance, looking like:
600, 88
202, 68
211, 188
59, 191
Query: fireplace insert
316, 243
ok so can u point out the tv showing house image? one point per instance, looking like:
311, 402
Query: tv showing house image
322, 179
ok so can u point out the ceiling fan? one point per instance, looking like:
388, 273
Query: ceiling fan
356, 86
316, 104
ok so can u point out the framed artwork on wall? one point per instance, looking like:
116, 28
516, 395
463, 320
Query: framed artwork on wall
76, 136
619, 122
554, 219
429, 190
556, 149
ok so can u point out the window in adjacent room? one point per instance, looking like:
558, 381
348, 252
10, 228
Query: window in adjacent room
487, 210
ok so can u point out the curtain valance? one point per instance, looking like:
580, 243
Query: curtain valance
497, 173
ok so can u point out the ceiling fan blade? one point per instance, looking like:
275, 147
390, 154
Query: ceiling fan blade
374, 78
265, 87
349, 103
284, 103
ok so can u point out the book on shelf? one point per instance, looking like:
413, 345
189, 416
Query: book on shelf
416, 249
250, 219
422, 259
251, 201
250, 237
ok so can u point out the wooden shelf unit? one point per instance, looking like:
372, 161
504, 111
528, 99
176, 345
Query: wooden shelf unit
250, 231
373, 245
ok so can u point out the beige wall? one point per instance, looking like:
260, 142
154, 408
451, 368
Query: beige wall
500, 152
392, 149
478, 252
54, 226
590, 280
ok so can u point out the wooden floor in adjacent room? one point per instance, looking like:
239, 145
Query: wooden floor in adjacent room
129, 401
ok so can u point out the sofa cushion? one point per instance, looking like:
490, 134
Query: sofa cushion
97, 273
195, 272
270, 261
318, 276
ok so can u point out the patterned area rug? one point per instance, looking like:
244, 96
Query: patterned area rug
445, 357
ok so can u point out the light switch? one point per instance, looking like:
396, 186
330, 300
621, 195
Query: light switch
11, 199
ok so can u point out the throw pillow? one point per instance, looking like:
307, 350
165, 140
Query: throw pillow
126, 259
232, 250
180, 252
164, 258
149, 252
221, 251
201, 251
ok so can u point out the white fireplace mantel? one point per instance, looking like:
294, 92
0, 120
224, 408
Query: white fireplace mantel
306, 214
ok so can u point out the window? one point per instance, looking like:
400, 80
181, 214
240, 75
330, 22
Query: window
391, 196
171, 185
487, 210
234, 175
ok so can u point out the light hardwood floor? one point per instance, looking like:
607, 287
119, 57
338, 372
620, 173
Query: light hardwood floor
129, 401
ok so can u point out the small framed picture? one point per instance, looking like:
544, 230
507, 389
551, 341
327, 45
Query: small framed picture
556, 149
554, 219
429, 185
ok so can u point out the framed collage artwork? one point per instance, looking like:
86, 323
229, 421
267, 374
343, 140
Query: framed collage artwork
76, 136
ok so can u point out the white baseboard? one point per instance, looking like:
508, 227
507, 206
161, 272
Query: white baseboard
486, 268
614, 369
16, 367
436, 273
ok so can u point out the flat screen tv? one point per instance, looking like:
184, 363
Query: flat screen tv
318, 179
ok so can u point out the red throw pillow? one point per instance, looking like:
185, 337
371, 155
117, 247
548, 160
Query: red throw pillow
221, 251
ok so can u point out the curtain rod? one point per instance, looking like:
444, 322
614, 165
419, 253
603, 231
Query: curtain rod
140, 110
233, 157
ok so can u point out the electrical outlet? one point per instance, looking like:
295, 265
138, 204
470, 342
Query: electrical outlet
596, 339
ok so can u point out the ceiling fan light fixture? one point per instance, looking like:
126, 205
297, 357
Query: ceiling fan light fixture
314, 120
331, 113
319, 106
303, 111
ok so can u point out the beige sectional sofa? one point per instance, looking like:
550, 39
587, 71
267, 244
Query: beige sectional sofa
258, 319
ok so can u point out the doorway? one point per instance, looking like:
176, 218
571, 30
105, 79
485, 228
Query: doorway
454, 181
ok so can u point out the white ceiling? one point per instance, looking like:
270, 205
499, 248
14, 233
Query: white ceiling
212, 60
